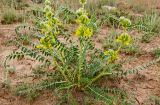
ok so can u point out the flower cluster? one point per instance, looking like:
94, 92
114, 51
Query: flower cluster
83, 20
49, 27
83, 2
124, 40
125, 22
112, 55
84, 31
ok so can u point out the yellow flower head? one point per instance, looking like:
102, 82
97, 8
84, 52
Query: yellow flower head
46, 43
84, 31
56, 21
125, 22
83, 19
49, 14
42, 40
39, 46
112, 55
125, 39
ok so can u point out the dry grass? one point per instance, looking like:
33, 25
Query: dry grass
143, 5
90, 4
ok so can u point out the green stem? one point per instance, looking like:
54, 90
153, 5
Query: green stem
83, 6
82, 56
119, 48
79, 65
97, 93
62, 72
67, 87
60, 69
61, 56
97, 77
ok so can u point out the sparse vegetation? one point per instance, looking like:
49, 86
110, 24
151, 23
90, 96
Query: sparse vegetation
157, 52
9, 17
80, 52
149, 23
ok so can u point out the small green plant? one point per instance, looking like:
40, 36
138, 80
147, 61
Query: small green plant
155, 99
110, 42
21, 17
16, 4
149, 24
9, 16
31, 95
156, 52
76, 65
67, 15
110, 16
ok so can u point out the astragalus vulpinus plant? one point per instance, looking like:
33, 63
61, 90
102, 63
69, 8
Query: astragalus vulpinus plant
76, 65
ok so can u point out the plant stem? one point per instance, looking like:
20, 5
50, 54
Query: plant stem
119, 48
82, 57
80, 63
62, 72
60, 69
97, 77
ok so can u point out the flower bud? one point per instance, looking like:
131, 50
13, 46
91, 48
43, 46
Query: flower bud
47, 2
125, 22
83, 1
84, 31
83, 19
124, 39
112, 55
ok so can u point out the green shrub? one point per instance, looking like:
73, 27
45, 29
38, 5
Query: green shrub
76, 66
